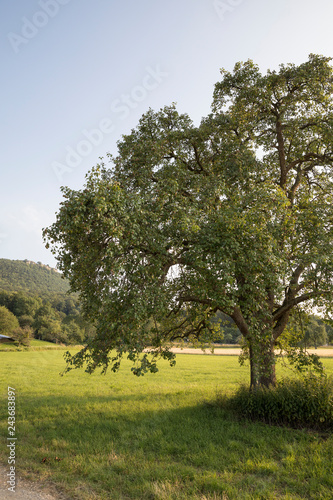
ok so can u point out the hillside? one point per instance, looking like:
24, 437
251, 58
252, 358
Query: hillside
28, 276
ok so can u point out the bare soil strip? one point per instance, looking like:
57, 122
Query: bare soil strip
26, 490
235, 351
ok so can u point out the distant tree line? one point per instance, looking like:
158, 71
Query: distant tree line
53, 318
306, 330
57, 318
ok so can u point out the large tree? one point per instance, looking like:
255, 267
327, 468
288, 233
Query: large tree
234, 215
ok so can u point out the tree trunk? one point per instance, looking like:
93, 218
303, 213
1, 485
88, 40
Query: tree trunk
262, 366
254, 372
267, 373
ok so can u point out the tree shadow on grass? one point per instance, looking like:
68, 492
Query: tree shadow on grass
128, 444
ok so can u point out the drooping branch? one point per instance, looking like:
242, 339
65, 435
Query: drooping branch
193, 331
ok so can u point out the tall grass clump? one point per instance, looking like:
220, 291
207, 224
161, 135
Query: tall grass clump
305, 402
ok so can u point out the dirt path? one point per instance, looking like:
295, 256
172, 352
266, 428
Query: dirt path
235, 351
27, 490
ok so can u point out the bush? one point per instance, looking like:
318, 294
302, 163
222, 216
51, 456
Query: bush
300, 403
23, 336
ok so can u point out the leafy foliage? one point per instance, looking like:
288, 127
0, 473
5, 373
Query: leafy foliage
233, 216
23, 336
47, 314
305, 402
8, 322
315, 333
28, 276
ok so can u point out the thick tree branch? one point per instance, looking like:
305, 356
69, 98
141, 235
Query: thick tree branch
281, 324
238, 318
295, 186
298, 300
282, 156
192, 298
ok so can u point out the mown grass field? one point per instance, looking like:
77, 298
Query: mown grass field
120, 437
35, 345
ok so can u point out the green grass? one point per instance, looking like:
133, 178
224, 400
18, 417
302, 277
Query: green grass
35, 345
156, 437
41, 343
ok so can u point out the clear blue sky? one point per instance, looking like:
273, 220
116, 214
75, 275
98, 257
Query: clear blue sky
73, 67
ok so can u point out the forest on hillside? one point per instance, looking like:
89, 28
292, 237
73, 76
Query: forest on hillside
35, 303
25, 275
56, 318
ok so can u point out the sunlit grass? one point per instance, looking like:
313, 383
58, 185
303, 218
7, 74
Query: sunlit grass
35, 345
155, 437
41, 343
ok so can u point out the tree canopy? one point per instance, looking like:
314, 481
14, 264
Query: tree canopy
233, 216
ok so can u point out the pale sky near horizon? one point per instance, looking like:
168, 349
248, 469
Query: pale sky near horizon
77, 74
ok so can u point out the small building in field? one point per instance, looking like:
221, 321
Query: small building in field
5, 339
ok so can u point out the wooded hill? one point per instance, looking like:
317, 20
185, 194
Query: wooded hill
28, 276
34, 303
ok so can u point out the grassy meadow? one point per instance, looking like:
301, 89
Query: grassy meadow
120, 437
35, 345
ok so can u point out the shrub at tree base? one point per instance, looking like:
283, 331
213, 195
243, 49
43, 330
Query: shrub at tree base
300, 403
